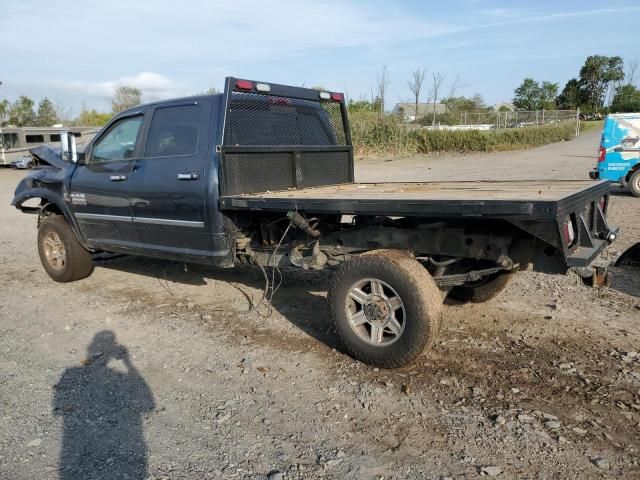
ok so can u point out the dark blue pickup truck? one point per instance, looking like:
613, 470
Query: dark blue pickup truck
263, 174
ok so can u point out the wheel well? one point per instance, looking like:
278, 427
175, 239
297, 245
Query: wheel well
633, 170
47, 209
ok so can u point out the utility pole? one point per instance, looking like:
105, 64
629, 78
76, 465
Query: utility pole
4, 159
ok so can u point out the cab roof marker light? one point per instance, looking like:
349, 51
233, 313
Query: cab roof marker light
325, 95
244, 85
263, 87
337, 97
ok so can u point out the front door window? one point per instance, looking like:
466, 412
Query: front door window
119, 142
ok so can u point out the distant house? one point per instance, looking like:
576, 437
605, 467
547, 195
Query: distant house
504, 107
408, 110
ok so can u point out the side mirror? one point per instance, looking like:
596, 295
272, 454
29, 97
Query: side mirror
68, 144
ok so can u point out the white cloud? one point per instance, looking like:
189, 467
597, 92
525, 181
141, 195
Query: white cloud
153, 86
170, 48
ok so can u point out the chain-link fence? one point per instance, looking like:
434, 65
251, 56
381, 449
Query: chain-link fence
469, 120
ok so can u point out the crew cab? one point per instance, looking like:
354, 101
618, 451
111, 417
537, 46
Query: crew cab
264, 174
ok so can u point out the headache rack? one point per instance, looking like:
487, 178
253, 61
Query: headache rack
278, 137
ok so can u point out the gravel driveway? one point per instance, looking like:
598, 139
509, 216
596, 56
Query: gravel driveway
155, 369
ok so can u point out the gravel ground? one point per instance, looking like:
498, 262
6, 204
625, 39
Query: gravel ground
151, 368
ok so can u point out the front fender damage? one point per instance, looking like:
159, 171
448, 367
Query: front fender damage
48, 184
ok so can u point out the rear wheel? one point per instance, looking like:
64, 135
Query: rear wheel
385, 308
634, 183
484, 289
62, 256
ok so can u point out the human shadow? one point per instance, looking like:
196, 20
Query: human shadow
296, 299
102, 408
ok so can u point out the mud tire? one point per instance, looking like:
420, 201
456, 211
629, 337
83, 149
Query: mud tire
412, 283
634, 184
76, 263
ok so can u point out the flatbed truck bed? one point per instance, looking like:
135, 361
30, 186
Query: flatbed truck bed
525, 199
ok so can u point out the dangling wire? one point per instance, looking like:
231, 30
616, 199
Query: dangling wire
274, 266
266, 283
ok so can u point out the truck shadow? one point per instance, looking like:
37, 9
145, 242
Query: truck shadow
300, 297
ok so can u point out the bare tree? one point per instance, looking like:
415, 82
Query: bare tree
64, 114
125, 97
438, 80
415, 85
455, 86
383, 81
631, 71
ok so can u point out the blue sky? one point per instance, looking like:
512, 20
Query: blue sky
75, 51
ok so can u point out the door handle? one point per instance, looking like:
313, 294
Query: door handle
118, 178
189, 176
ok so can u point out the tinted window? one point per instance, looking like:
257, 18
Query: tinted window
120, 141
55, 137
173, 131
34, 138
10, 140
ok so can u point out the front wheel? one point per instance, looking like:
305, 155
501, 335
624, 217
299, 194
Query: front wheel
62, 256
385, 308
634, 183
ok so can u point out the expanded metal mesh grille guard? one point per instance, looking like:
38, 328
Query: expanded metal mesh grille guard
276, 143
253, 172
256, 119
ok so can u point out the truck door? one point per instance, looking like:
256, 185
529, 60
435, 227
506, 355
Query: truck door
167, 191
99, 188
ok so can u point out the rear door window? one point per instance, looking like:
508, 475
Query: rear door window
174, 131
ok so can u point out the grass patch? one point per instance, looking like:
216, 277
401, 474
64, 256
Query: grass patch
370, 136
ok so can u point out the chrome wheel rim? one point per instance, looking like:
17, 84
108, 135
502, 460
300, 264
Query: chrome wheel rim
54, 250
375, 312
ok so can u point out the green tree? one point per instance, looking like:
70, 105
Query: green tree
92, 118
21, 112
125, 97
626, 99
571, 97
597, 74
4, 111
548, 94
46, 113
464, 104
531, 95
527, 95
